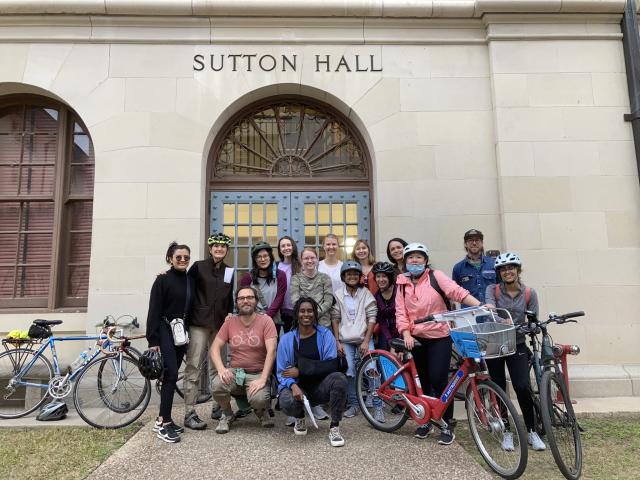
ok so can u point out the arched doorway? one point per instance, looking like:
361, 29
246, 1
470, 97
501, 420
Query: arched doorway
289, 165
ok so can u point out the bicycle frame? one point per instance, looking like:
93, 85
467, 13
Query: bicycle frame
424, 408
50, 344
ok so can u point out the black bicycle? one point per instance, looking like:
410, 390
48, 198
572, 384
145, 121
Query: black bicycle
553, 410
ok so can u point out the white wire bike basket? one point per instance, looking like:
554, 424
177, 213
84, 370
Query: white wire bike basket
480, 332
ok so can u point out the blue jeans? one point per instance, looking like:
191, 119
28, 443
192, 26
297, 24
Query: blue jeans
352, 354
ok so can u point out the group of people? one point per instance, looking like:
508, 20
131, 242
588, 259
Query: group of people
313, 320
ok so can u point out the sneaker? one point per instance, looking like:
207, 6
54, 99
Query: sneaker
335, 438
369, 401
157, 425
378, 415
216, 412
224, 424
319, 413
536, 443
300, 427
265, 419
192, 421
176, 428
291, 421
507, 442
168, 434
446, 437
423, 431
350, 412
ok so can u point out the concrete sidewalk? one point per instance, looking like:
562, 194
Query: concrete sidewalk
249, 451
583, 406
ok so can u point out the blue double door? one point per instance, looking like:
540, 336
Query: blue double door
307, 217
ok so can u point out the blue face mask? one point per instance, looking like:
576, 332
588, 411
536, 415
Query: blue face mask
416, 270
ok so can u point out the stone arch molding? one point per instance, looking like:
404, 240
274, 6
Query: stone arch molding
264, 93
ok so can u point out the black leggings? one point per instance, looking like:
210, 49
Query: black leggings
432, 362
518, 365
172, 358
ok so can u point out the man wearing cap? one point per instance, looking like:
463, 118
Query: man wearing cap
476, 271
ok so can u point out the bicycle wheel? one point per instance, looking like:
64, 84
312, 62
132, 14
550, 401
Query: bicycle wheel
563, 432
16, 398
492, 416
373, 371
535, 398
104, 387
111, 394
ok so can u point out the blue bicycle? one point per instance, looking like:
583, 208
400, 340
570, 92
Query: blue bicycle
108, 389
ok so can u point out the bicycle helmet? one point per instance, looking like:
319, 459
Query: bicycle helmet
387, 268
507, 258
55, 410
415, 247
350, 265
218, 238
151, 365
261, 245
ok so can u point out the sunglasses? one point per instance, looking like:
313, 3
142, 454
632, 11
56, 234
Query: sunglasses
181, 258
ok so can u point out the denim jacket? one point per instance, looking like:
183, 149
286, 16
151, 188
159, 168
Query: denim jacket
473, 279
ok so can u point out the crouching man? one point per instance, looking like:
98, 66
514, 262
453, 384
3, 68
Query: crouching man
252, 337
308, 366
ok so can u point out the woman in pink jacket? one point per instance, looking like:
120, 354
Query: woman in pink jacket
417, 298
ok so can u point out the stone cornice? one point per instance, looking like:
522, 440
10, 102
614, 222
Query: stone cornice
307, 8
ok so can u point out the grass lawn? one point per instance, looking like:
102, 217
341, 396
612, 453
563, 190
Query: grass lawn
610, 445
60, 453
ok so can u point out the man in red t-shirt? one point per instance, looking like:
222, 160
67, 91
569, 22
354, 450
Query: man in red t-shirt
253, 338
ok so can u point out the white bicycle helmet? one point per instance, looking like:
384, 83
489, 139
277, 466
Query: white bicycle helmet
507, 258
415, 247
55, 410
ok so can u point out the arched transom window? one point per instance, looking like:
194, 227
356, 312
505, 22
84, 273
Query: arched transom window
289, 138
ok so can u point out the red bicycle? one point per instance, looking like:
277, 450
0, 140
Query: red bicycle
389, 392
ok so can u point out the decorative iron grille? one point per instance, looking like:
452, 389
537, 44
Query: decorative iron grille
283, 139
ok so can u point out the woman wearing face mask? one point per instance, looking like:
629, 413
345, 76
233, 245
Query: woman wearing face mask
363, 255
417, 298
290, 265
171, 297
270, 282
331, 264
395, 253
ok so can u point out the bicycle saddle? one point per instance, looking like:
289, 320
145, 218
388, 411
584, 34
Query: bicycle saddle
398, 344
45, 323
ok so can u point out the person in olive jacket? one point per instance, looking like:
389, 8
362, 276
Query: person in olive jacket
213, 301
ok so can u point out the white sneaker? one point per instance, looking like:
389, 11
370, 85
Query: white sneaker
507, 442
335, 438
536, 443
319, 412
290, 421
300, 428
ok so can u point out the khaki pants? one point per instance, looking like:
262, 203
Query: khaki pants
200, 340
222, 392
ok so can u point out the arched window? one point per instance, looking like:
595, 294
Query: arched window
46, 204
289, 138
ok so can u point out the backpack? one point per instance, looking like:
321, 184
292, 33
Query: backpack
527, 295
436, 286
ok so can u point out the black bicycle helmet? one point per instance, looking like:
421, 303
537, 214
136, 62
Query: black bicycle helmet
261, 245
387, 268
151, 365
350, 265
55, 410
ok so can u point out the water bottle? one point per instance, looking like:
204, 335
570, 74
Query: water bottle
82, 359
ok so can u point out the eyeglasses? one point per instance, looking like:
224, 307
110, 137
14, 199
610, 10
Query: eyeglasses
508, 268
247, 298
181, 258
262, 257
